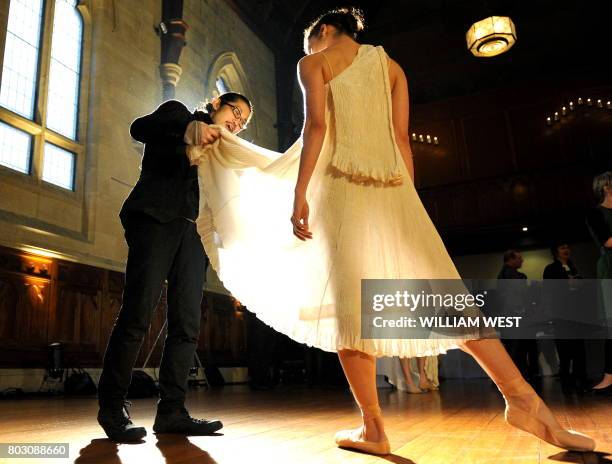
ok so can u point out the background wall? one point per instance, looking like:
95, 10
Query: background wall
124, 84
77, 236
487, 265
456, 364
498, 166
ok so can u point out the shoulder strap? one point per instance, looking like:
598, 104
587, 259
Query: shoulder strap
331, 70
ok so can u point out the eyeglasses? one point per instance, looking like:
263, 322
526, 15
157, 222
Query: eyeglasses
242, 123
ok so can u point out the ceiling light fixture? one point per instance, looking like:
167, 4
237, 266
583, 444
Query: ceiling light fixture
491, 36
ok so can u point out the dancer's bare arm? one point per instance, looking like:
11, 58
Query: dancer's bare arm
399, 100
310, 74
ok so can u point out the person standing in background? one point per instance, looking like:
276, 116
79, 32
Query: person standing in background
570, 351
524, 352
513, 260
599, 222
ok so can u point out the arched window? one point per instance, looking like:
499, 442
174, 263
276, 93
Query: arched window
222, 87
39, 90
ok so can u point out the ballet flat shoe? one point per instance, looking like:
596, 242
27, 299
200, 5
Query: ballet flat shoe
348, 439
534, 424
352, 439
543, 425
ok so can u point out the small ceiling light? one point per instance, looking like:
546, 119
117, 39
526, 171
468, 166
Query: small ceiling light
525, 229
491, 36
425, 139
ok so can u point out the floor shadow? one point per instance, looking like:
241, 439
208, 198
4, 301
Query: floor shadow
388, 457
397, 459
177, 448
102, 450
594, 457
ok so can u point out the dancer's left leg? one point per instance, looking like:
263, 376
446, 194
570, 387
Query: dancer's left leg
524, 408
360, 371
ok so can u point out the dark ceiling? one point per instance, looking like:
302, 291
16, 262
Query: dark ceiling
562, 44
556, 38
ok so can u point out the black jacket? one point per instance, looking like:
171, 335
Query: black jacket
599, 223
510, 273
555, 270
168, 187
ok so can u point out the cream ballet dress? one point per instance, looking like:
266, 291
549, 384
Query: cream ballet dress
365, 215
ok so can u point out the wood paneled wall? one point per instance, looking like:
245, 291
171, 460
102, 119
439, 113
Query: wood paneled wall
499, 166
45, 300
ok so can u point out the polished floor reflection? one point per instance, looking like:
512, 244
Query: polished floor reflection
460, 423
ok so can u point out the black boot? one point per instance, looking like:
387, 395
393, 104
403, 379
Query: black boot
116, 422
179, 421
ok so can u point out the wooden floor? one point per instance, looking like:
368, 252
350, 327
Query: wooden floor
461, 423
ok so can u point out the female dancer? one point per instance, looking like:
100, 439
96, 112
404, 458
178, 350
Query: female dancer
332, 49
357, 216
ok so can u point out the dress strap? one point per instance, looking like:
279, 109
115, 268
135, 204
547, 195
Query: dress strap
328, 64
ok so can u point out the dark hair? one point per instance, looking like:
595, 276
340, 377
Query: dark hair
556, 244
509, 254
231, 97
348, 20
599, 182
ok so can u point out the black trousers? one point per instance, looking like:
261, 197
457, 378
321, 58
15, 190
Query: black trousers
158, 252
571, 351
524, 353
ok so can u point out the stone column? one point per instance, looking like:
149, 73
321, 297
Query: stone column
172, 43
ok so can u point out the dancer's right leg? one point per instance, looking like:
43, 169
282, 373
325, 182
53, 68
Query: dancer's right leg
360, 371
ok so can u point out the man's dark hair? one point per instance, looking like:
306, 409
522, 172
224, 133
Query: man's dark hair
554, 246
231, 97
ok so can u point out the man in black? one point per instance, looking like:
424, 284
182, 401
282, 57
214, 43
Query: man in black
524, 352
159, 221
571, 351
513, 260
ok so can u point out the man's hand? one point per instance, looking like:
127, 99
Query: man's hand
200, 134
197, 135
207, 134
